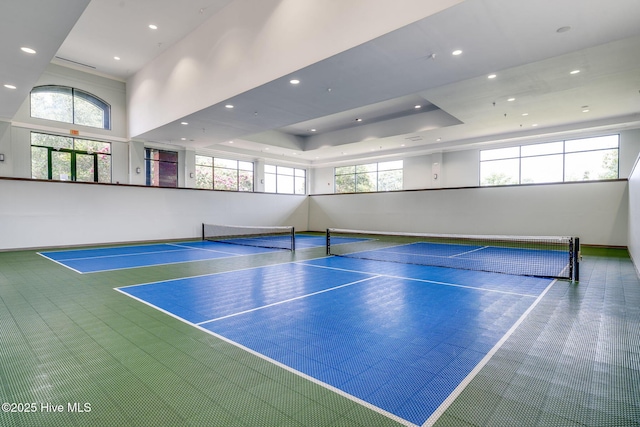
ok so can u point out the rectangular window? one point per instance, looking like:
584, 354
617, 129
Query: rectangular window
161, 168
371, 177
592, 158
284, 180
64, 158
204, 172
562, 161
223, 174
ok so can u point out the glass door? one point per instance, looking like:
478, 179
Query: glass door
61, 166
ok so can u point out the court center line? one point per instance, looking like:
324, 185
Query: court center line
287, 300
435, 282
200, 249
468, 252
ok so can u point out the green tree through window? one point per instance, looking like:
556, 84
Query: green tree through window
63, 158
70, 105
584, 159
365, 178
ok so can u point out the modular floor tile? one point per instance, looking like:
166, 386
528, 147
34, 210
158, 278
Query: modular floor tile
69, 339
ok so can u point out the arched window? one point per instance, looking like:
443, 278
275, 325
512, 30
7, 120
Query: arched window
70, 105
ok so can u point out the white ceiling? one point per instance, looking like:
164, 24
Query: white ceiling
380, 81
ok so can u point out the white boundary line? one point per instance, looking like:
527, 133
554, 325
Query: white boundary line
456, 392
229, 255
434, 416
281, 365
59, 263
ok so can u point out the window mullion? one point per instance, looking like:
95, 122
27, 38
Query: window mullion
50, 162
73, 165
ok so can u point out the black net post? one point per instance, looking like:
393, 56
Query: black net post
576, 259
328, 245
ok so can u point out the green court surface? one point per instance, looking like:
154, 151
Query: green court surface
70, 339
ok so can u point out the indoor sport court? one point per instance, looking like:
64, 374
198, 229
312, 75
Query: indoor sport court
353, 328
320, 213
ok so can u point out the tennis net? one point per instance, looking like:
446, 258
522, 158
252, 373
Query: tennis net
266, 237
554, 257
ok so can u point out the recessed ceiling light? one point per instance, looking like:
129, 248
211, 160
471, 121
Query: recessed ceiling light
534, 125
358, 120
28, 50
492, 76
586, 110
183, 139
153, 26
511, 99
575, 72
313, 130
229, 106
184, 123
417, 107
525, 114
294, 81
402, 145
456, 52
439, 139
117, 58
8, 86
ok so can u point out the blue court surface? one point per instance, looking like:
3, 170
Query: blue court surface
121, 257
397, 338
510, 260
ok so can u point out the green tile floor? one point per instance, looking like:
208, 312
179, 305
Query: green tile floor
69, 339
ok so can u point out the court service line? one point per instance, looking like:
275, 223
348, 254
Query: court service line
435, 282
280, 264
286, 301
456, 392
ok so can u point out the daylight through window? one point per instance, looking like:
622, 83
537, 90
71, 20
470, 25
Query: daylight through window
285, 180
585, 159
62, 158
223, 174
383, 176
70, 105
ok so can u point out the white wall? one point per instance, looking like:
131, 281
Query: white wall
597, 212
6, 166
634, 215
35, 214
110, 91
461, 168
